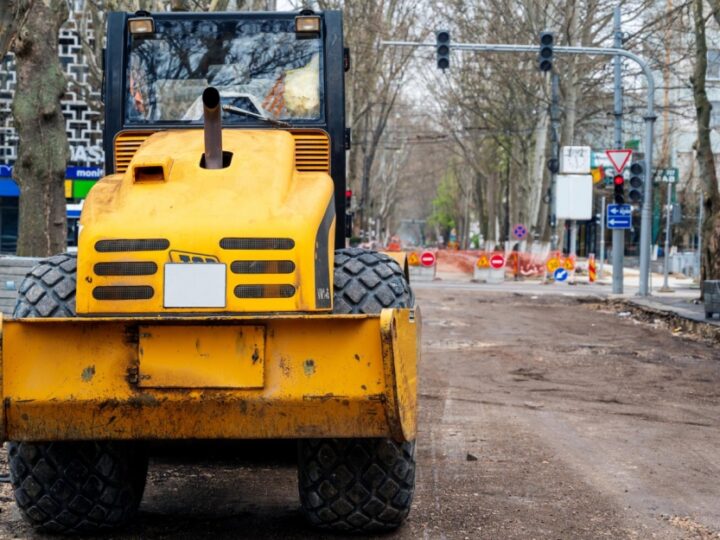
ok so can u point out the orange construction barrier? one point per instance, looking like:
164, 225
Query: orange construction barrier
592, 270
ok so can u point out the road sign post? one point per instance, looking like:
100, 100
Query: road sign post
427, 258
422, 266
560, 275
520, 231
497, 268
619, 216
602, 238
668, 180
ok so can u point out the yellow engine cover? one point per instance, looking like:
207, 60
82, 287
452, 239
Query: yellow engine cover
171, 236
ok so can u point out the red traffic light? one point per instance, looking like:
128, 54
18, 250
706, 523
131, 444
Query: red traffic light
619, 180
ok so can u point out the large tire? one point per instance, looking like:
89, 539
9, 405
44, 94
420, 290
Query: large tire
367, 281
77, 487
71, 487
360, 485
356, 485
49, 289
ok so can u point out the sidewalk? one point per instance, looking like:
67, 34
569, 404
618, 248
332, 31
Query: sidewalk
683, 302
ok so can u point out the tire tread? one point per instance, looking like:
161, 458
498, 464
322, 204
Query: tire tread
48, 290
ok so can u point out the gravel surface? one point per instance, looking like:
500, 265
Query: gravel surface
540, 417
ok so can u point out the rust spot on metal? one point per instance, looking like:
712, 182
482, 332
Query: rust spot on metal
309, 367
255, 355
88, 373
133, 375
143, 400
112, 403
357, 357
363, 387
284, 366
324, 397
131, 335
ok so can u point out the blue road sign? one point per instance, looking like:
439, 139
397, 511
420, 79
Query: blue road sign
520, 231
560, 274
619, 216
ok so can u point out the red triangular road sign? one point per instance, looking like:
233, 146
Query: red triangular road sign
619, 158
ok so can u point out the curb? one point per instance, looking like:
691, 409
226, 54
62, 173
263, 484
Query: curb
674, 320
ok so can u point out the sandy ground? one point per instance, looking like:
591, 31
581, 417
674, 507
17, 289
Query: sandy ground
540, 417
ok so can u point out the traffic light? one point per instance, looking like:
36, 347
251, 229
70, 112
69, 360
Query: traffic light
637, 181
545, 56
619, 182
553, 165
442, 48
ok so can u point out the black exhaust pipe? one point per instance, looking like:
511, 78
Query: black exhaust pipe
213, 129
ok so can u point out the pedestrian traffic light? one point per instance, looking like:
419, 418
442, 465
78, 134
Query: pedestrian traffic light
637, 182
619, 182
545, 56
442, 48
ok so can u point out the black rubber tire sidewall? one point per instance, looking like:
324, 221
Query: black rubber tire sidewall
367, 281
77, 487
48, 290
71, 487
360, 485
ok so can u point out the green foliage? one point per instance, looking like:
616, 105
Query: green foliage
445, 205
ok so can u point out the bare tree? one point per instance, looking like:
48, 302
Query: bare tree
43, 148
706, 160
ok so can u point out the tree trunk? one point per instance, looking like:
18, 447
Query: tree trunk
43, 147
8, 23
710, 264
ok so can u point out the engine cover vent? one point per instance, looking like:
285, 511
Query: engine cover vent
124, 245
135, 292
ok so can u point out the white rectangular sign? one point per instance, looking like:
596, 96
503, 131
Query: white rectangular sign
200, 285
575, 159
573, 196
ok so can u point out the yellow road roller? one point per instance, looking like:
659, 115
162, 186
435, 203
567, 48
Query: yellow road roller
212, 296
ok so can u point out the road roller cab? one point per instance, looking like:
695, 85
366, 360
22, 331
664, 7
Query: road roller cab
212, 296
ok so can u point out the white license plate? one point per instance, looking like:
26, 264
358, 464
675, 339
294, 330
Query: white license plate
195, 285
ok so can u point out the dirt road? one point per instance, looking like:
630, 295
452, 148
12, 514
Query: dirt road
540, 417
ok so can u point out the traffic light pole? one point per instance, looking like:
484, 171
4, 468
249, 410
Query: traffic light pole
646, 214
618, 235
555, 154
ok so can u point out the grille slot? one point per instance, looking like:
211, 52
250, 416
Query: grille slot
117, 292
125, 268
121, 245
257, 243
264, 291
312, 151
262, 267
126, 144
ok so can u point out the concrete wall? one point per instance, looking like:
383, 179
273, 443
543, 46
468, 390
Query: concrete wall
12, 272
